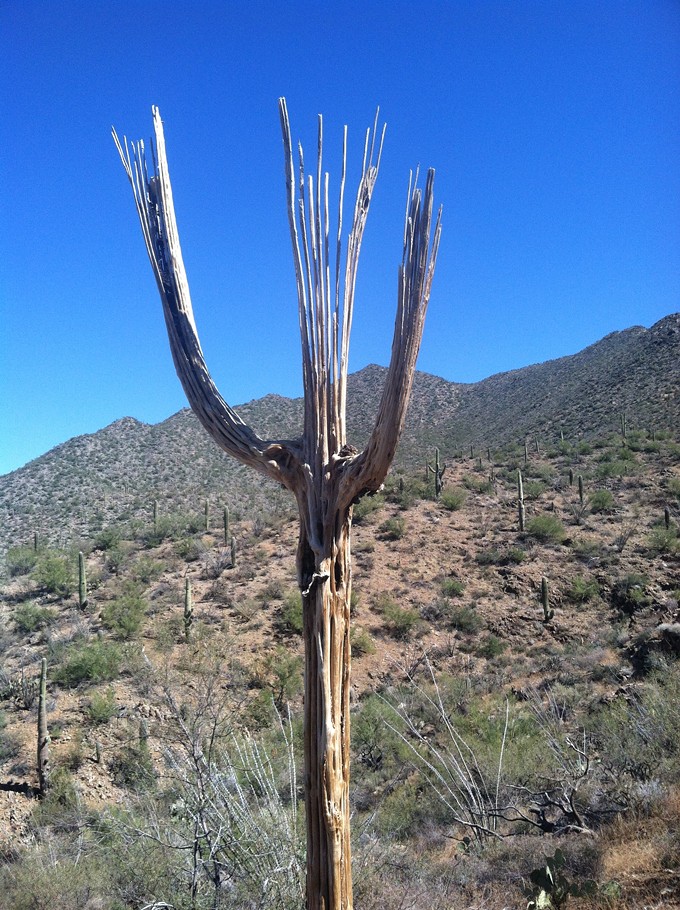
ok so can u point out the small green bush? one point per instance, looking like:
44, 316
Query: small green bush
478, 484
393, 528
601, 501
466, 619
133, 768
546, 528
285, 674
533, 489
29, 617
54, 572
97, 661
582, 589
102, 707
361, 642
629, 593
125, 614
492, 647
290, 619
673, 486
366, 505
20, 560
663, 540
401, 621
452, 587
107, 539
453, 498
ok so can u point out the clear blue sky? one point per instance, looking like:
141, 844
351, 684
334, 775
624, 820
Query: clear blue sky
554, 127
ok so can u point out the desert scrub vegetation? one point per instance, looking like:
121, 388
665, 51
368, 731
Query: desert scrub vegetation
401, 622
453, 498
546, 528
125, 614
87, 662
30, 617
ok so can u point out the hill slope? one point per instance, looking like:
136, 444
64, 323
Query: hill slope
115, 474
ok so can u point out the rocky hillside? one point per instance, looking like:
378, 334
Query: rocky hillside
115, 474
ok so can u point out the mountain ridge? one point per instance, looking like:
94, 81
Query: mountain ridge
115, 473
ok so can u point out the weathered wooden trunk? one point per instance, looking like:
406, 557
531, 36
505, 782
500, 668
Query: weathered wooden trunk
320, 469
325, 583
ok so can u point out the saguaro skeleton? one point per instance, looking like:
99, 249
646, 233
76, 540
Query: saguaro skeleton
325, 473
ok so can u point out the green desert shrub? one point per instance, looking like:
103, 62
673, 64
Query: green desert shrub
54, 572
107, 539
400, 621
29, 617
101, 708
96, 661
393, 528
125, 614
366, 506
601, 501
546, 528
361, 642
290, 619
663, 540
582, 589
452, 587
453, 498
20, 560
466, 619
629, 593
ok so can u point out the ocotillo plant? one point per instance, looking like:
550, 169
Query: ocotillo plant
438, 474
188, 610
43, 734
548, 612
82, 581
520, 501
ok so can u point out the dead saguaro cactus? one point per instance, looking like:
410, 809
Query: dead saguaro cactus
325, 473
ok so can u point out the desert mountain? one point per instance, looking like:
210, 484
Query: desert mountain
115, 474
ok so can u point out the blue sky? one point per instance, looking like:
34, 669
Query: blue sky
554, 128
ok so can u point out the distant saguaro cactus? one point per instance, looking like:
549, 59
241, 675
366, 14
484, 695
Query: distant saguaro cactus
188, 610
225, 522
82, 581
548, 612
43, 734
438, 474
520, 501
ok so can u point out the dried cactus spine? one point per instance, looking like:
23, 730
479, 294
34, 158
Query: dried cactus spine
82, 581
520, 501
43, 734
